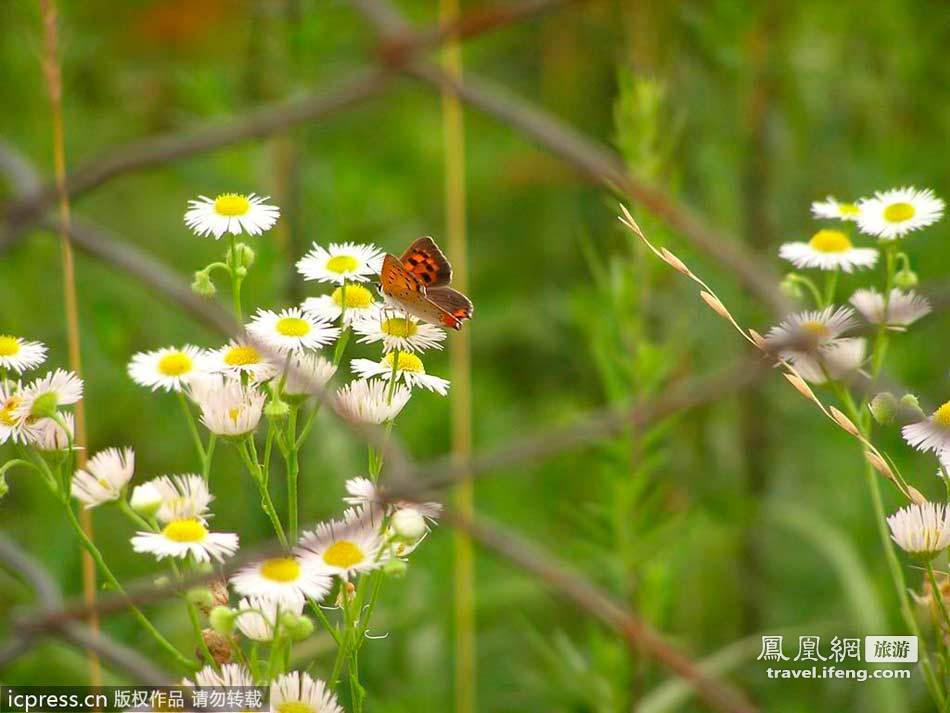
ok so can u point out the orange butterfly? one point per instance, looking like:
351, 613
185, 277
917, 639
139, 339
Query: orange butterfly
417, 283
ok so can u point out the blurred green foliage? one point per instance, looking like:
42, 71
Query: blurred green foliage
711, 542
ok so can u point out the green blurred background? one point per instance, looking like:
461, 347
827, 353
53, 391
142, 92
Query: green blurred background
749, 516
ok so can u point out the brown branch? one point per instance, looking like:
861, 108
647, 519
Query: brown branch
586, 155
146, 153
593, 600
445, 471
15, 560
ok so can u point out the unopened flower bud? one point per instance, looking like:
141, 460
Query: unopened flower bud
203, 285
201, 597
276, 410
245, 255
408, 524
241, 271
790, 287
906, 279
146, 499
395, 568
222, 619
297, 627
883, 407
44, 405
4, 488
909, 411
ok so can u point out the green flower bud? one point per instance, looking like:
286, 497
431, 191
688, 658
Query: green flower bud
203, 285
395, 568
276, 410
298, 628
790, 287
245, 255
4, 488
906, 279
200, 597
909, 411
45, 405
222, 619
883, 408
241, 271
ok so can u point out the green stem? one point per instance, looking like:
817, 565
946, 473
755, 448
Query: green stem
134, 516
830, 285
937, 594
319, 613
235, 281
802, 280
192, 426
392, 377
267, 504
202, 644
209, 456
110, 578
293, 470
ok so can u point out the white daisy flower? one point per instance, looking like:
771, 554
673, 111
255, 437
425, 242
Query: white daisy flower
828, 250
903, 308
894, 213
345, 547
229, 408
307, 375
46, 434
291, 330
231, 675
810, 342
367, 401
932, 434
104, 476
169, 368
231, 213
12, 422
359, 303
362, 491
46, 394
258, 616
19, 355
297, 692
242, 357
834, 360
183, 497
409, 369
188, 536
832, 208
289, 580
350, 262
921, 530
398, 331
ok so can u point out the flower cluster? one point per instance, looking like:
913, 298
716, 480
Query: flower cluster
843, 349
258, 394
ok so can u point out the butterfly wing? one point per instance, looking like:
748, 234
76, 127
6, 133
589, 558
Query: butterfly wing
454, 306
396, 281
426, 261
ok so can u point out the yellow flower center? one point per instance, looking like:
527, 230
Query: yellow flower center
292, 327
9, 346
231, 204
294, 707
830, 241
899, 212
6, 412
399, 327
357, 297
343, 554
942, 415
817, 329
407, 362
233, 414
242, 356
848, 209
281, 569
174, 364
190, 530
341, 264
